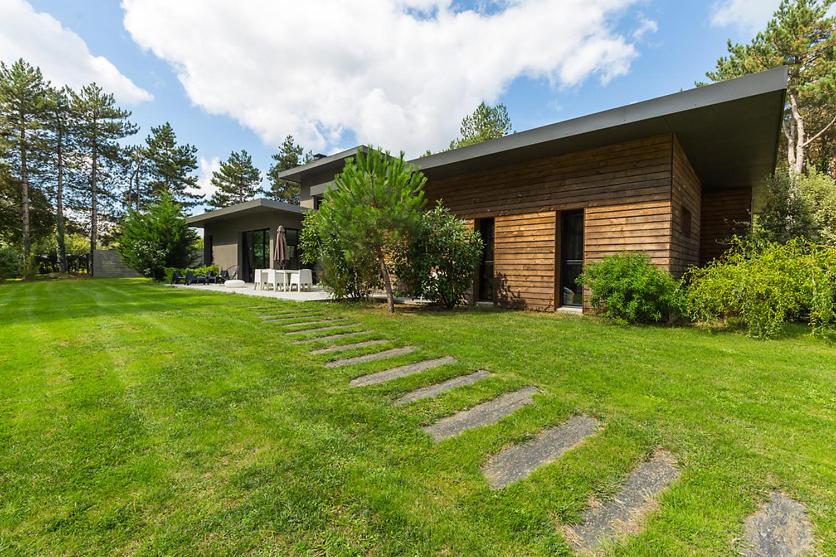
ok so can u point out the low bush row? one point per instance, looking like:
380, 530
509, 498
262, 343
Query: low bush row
168, 272
758, 285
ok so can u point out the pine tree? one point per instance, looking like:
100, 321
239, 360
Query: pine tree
236, 181
137, 169
61, 146
101, 124
289, 155
171, 166
801, 36
486, 122
23, 94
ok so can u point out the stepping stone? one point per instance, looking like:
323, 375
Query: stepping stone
372, 357
341, 347
435, 390
294, 319
290, 315
779, 529
335, 336
320, 329
625, 513
487, 413
517, 462
332, 321
401, 371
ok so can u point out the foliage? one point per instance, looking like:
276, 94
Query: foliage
9, 261
486, 122
797, 206
319, 245
168, 272
441, 259
236, 181
765, 285
374, 207
800, 36
628, 287
289, 155
170, 166
158, 238
60, 151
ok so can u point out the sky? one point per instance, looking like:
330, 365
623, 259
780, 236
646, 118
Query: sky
398, 74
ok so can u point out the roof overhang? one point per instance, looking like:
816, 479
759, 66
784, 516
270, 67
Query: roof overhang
729, 130
254, 207
320, 170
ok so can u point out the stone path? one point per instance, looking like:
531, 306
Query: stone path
780, 528
483, 414
438, 388
329, 338
625, 513
292, 318
517, 462
306, 325
352, 346
372, 357
320, 329
401, 371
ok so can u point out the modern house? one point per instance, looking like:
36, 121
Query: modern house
672, 177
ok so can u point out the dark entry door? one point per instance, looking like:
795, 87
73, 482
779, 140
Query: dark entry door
255, 252
485, 284
571, 258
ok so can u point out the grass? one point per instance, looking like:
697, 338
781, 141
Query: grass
139, 419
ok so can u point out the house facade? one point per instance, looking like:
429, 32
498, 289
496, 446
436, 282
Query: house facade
672, 177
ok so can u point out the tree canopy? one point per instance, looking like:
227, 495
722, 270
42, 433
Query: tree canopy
236, 181
289, 155
486, 122
170, 166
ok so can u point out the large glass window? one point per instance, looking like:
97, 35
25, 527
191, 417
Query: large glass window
571, 258
486, 266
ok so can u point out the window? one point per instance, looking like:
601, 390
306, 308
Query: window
685, 222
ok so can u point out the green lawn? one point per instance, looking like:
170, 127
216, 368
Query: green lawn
140, 419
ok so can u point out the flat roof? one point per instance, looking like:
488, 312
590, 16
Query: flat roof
729, 130
254, 206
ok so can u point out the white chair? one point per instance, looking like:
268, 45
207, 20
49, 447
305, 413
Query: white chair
301, 278
272, 279
259, 279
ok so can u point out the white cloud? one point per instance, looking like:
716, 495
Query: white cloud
204, 179
749, 16
61, 54
396, 73
646, 25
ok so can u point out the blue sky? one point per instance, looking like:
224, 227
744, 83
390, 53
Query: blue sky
227, 82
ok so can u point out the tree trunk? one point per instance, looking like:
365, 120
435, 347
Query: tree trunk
93, 204
59, 207
24, 202
387, 281
799, 135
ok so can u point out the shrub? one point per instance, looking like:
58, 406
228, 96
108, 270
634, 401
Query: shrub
441, 258
797, 206
320, 246
168, 272
9, 262
766, 284
628, 287
158, 238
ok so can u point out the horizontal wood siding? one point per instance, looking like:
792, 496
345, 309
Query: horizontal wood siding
643, 226
724, 214
524, 260
686, 194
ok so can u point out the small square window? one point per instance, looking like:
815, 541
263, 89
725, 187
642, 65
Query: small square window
685, 222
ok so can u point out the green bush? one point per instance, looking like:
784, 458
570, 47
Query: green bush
320, 246
9, 262
441, 258
158, 238
766, 284
168, 272
628, 287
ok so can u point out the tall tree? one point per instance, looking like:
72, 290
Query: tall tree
137, 169
60, 138
22, 104
486, 122
171, 166
800, 35
374, 208
101, 124
289, 155
236, 181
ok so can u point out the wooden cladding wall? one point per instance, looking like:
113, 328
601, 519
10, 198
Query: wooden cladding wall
643, 226
686, 204
724, 214
633, 172
524, 260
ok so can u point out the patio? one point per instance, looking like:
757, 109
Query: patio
315, 294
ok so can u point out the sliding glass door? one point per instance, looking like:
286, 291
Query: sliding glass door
255, 252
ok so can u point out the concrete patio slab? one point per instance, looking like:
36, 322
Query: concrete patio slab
401, 371
394, 352
315, 295
518, 461
487, 413
779, 529
435, 390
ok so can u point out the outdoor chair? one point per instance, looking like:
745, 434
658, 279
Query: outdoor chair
300, 279
224, 276
191, 278
212, 278
177, 278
